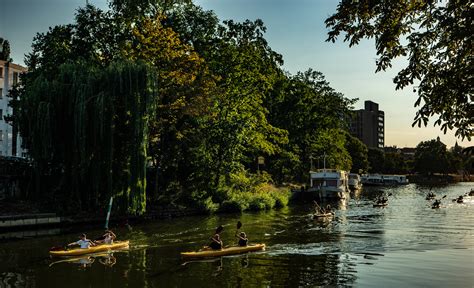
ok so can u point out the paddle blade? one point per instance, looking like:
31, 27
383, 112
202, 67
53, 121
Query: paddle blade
239, 224
219, 229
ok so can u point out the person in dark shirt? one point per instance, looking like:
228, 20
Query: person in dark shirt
243, 241
216, 242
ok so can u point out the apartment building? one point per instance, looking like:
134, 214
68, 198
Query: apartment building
368, 125
10, 140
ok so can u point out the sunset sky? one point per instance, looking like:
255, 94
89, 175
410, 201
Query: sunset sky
295, 29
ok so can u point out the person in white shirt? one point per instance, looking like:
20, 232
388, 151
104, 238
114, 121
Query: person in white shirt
83, 242
107, 238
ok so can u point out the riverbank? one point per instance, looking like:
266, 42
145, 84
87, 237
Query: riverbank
25, 215
16, 215
439, 179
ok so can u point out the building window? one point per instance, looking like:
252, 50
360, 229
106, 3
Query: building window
1, 93
1, 115
1, 72
1, 135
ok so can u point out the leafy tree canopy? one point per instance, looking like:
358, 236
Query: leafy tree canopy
359, 154
376, 159
437, 38
431, 157
4, 50
313, 113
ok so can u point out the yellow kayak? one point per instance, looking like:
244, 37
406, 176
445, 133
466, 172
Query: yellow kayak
93, 249
223, 252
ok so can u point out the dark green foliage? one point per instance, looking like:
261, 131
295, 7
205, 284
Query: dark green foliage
395, 164
431, 157
244, 191
198, 99
376, 159
233, 205
314, 116
435, 36
5, 50
359, 154
87, 128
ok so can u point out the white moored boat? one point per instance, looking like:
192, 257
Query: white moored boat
329, 183
380, 179
354, 181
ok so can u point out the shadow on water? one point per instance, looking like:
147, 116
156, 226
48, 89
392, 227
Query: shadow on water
398, 245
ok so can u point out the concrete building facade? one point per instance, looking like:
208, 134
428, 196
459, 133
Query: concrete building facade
10, 140
368, 125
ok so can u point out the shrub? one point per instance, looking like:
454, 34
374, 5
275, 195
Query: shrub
244, 191
231, 206
281, 198
206, 205
261, 201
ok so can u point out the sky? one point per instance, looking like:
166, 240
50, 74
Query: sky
295, 29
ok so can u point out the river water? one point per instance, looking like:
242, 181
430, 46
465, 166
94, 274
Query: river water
406, 244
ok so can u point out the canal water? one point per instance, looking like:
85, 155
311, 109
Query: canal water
406, 244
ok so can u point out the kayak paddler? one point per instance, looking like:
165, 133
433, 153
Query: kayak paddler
243, 240
84, 243
216, 242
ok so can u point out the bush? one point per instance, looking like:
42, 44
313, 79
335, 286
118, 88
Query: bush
243, 191
261, 202
281, 198
206, 205
231, 206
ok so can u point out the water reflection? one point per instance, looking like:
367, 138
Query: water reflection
402, 242
108, 260
86, 261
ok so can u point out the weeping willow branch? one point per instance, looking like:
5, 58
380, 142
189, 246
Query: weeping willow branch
89, 126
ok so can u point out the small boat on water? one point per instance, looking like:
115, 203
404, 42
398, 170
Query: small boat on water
381, 201
380, 204
233, 250
323, 215
355, 182
93, 249
329, 183
383, 180
436, 204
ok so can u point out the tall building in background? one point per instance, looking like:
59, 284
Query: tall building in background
368, 125
10, 140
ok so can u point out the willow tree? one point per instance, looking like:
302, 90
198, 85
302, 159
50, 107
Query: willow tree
87, 129
102, 39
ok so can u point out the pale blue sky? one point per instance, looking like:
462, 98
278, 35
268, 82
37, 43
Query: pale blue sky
295, 29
